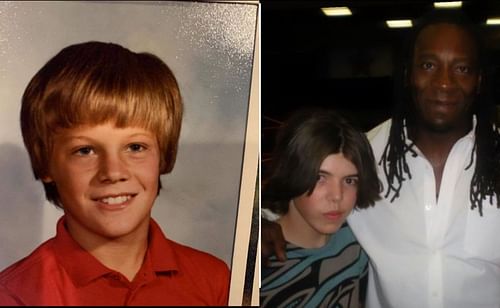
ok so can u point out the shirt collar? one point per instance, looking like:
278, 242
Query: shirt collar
80, 265
160, 249
83, 268
471, 135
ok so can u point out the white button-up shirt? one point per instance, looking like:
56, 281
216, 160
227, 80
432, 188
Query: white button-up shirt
426, 253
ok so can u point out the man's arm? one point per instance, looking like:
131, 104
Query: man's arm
272, 241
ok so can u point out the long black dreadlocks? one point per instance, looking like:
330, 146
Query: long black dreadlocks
486, 152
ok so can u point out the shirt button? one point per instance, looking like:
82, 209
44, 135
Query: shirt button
428, 207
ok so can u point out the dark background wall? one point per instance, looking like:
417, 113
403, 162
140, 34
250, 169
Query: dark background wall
346, 63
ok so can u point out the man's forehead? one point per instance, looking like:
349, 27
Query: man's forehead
446, 36
442, 31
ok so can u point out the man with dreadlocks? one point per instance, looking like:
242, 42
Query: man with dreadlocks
434, 239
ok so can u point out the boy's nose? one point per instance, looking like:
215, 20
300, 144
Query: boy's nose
112, 169
335, 192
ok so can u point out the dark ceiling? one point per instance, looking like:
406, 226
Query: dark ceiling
309, 58
301, 26
340, 62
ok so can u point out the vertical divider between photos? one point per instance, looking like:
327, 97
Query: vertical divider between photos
241, 267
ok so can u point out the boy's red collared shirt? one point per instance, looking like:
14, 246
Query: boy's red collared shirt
60, 272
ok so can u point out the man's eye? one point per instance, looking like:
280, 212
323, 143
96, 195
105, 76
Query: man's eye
84, 151
427, 65
463, 69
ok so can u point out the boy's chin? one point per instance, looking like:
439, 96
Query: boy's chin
122, 229
109, 229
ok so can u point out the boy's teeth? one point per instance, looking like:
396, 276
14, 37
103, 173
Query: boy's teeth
115, 200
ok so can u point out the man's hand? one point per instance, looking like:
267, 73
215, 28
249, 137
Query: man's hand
272, 241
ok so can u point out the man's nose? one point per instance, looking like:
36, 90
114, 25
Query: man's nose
445, 78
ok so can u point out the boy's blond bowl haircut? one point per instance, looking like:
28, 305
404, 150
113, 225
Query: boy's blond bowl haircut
93, 83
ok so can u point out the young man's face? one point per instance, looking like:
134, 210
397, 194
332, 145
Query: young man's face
107, 179
333, 198
444, 76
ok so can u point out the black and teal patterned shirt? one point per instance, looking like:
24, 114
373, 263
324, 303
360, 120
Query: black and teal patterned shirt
334, 275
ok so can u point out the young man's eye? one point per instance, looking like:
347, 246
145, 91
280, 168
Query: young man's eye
84, 151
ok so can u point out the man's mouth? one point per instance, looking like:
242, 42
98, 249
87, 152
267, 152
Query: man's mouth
445, 102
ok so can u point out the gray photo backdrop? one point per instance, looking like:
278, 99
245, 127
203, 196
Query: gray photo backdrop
209, 47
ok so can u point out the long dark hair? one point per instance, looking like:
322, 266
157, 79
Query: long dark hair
485, 181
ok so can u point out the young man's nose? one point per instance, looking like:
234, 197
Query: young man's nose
112, 168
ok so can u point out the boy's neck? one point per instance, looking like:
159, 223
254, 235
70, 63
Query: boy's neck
124, 254
298, 232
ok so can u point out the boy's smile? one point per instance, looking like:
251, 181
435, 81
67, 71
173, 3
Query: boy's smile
106, 177
115, 203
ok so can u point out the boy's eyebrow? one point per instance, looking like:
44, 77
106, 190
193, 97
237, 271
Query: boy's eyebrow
324, 172
149, 135
73, 137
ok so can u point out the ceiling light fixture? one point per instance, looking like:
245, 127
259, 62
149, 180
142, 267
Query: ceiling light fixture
400, 23
493, 21
336, 11
448, 5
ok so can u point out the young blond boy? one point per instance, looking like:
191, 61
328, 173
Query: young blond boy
101, 124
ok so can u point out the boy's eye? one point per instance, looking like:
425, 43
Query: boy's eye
136, 147
351, 181
84, 151
321, 178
